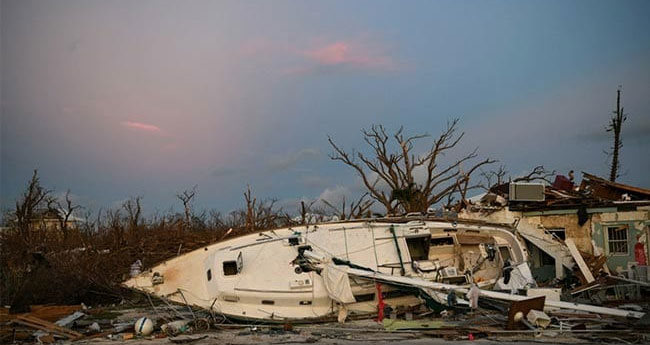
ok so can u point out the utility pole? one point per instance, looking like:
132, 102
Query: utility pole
615, 125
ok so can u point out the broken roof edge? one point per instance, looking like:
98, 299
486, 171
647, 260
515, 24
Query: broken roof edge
618, 185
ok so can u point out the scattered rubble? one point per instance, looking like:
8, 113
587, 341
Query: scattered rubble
523, 321
589, 300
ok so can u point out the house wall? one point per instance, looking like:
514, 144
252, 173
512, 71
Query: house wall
580, 234
637, 225
591, 237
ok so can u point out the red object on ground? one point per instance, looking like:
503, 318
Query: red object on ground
380, 304
470, 336
639, 253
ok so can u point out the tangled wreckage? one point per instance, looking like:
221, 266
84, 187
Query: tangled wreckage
335, 270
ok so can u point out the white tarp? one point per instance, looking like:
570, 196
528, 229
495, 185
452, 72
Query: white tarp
520, 277
337, 284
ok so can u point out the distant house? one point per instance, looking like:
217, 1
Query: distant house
52, 219
604, 219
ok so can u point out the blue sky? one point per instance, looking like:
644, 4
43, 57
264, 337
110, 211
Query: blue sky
114, 99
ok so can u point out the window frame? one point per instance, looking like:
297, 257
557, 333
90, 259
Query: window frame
625, 242
555, 231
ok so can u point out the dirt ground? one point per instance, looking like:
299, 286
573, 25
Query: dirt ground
239, 337
363, 331
351, 332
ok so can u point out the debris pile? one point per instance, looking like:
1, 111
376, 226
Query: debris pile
493, 319
456, 278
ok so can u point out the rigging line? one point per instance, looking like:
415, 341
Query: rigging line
369, 247
321, 248
187, 304
156, 309
164, 299
345, 238
241, 276
352, 252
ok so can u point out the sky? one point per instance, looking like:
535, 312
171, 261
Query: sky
113, 99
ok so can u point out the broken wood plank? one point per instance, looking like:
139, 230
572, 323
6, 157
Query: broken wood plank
582, 265
44, 312
53, 312
632, 281
47, 326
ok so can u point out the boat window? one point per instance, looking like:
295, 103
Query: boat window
230, 268
397, 293
442, 241
365, 297
418, 247
209, 274
268, 302
505, 253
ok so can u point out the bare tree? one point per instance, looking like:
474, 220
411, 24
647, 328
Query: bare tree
133, 212
65, 212
615, 125
493, 178
114, 226
539, 173
261, 214
396, 168
34, 199
497, 177
462, 187
186, 198
356, 209
305, 211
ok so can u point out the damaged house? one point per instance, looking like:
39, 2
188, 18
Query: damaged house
599, 226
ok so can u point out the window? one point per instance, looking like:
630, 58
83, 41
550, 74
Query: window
365, 297
505, 253
442, 241
209, 274
229, 268
617, 239
233, 267
418, 248
558, 233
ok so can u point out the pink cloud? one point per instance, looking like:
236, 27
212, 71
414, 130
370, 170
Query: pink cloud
139, 126
351, 54
331, 54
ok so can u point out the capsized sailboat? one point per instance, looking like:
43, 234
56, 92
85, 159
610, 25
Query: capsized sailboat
263, 276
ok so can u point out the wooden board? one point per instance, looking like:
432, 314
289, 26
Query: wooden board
46, 326
44, 312
582, 265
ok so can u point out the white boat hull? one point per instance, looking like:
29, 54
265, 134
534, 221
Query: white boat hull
255, 276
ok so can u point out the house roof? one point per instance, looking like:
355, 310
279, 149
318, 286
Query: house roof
605, 189
594, 191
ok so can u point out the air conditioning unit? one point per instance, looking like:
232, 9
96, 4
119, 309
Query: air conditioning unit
449, 271
526, 191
